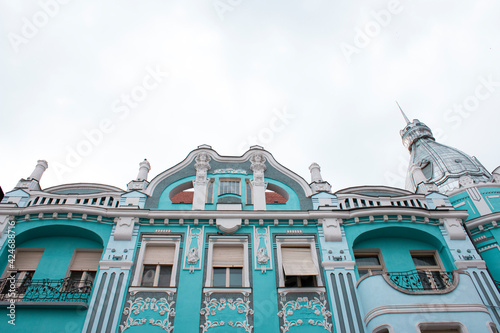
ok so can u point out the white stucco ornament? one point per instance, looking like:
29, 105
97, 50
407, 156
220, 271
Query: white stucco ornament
228, 226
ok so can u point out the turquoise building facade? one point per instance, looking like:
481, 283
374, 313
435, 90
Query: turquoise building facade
243, 244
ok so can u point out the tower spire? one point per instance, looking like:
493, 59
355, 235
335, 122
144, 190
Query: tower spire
404, 115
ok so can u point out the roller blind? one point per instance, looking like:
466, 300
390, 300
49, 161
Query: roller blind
159, 255
27, 260
298, 261
227, 256
86, 261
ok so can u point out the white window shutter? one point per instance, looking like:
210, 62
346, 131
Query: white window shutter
159, 255
297, 261
227, 256
27, 260
86, 261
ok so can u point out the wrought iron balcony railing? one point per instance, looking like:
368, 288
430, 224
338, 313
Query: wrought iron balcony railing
418, 280
45, 290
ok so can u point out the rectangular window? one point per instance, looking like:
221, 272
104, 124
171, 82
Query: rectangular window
229, 186
83, 270
157, 266
429, 269
25, 264
368, 261
227, 262
210, 192
248, 192
157, 261
298, 262
298, 267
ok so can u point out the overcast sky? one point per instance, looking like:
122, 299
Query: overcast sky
94, 88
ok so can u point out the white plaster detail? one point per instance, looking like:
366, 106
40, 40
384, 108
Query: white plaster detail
230, 170
192, 256
317, 182
138, 306
315, 305
239, 305
332, 265
108, 264
262, 249
193, 246
124, 227
466, 181
228, 225
478, 201
40, 168
202, 166
258, 167
464, 264
454, 228
234, 206
332, 229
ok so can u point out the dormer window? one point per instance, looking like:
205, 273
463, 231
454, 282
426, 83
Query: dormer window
229, 186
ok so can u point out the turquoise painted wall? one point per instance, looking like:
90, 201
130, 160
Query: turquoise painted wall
165, 202
395, 242
58, 251
492, 197
469, 205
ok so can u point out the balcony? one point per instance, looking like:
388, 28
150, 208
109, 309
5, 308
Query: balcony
387, 296
420, 280
45, 291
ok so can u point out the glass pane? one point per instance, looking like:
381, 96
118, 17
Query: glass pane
219, 277
148, 275
367, 260
291, 281
165, 273
90, 276
307, 281
235, 277
427, 260
362, 272
76, 275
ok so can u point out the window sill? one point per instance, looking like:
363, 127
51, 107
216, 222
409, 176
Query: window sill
168, 290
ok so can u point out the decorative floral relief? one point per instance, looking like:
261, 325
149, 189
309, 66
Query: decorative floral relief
212, 305
139, 304
315, 306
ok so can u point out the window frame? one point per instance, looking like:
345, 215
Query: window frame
85, 273
422, 327
297, 242
370, 268
210, 191
227, 241
421, 253
26, 281
426, 272
157, 240
234, 180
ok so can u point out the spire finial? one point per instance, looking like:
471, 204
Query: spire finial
402, 112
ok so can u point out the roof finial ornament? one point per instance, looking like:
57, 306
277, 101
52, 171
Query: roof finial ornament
402, 112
